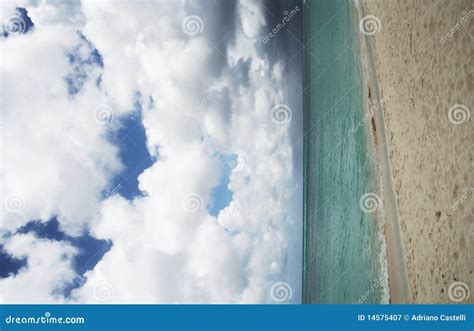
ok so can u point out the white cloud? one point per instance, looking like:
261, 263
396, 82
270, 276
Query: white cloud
161, 252
66, 13
48, 271
251, 17
55, 153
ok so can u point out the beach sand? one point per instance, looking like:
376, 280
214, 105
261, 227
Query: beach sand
424, 62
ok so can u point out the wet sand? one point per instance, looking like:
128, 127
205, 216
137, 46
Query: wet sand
388, 216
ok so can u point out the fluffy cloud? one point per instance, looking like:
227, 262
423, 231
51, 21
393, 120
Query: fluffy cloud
56, 158
251, 17
210, 96
48, 272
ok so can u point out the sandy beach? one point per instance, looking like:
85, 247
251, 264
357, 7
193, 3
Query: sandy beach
423, 53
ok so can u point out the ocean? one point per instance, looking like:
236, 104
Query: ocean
344, 259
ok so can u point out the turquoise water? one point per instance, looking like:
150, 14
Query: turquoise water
341, 242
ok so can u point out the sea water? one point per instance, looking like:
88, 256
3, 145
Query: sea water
342, 248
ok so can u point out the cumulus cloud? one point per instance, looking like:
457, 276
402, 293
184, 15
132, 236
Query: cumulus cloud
56, 158
166, 248
48, 272
251, 17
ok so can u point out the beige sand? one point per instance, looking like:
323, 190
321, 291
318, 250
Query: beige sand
424, 58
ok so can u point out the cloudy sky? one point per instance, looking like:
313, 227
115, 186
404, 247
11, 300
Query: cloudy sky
151, 152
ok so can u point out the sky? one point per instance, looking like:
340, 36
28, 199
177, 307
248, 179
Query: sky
151, 152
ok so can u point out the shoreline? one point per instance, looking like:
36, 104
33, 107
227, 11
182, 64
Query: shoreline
342, 254
388, 219
422, 69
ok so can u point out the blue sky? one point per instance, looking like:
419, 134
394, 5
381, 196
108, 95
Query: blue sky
221, 195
